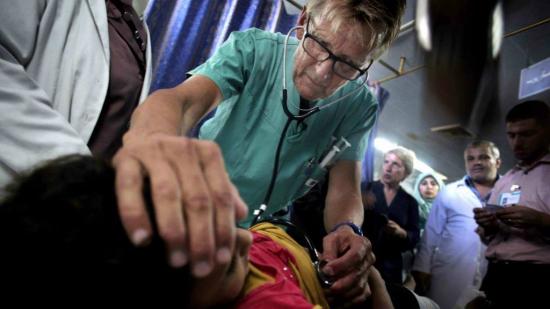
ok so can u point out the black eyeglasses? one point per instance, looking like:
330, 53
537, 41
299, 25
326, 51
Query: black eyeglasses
315, 49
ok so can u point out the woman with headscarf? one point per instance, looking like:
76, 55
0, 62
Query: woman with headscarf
426, 187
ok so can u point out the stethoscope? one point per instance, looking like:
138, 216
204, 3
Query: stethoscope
300, 117
318, 264
313, 110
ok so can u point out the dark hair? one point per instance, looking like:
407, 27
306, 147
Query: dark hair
533, 109
61, 221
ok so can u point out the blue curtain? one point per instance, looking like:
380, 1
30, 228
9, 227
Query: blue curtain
367, 169
184, 33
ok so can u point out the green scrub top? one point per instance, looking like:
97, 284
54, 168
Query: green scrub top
248, 123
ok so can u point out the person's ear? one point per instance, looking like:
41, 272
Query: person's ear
302, 20
499, 162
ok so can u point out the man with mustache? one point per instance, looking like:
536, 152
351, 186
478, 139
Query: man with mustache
450, 263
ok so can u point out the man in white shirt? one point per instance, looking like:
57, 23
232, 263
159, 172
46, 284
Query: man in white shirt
450, 262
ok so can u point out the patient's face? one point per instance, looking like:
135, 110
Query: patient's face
224, 284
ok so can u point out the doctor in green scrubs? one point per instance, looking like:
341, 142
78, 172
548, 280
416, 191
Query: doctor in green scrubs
200, 188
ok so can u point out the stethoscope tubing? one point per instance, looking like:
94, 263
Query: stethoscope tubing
291, 117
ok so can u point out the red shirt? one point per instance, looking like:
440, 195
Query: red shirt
273, 260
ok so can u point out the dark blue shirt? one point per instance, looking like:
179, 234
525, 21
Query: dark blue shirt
388, 248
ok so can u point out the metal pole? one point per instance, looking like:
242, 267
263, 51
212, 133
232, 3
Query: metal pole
400, 72
388, 78
544, 21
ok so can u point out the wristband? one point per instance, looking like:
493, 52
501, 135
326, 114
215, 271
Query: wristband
357, 230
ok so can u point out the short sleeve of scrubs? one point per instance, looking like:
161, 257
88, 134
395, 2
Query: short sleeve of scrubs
358, 121
231, 65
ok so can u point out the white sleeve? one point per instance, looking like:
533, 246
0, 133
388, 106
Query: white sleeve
432, 234
30, 129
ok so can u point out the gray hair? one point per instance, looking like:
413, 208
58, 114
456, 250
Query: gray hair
379, 20
406, 156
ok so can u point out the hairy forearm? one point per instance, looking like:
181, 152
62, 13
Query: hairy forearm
177, 110
162, 112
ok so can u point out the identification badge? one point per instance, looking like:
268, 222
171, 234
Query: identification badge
509, 198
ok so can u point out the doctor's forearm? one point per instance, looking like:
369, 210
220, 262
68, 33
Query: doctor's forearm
343, 202
160, 113
341, 210
176, 110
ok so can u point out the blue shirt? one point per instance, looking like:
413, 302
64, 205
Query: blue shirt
469, 182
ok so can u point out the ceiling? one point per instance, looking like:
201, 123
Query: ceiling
412, 110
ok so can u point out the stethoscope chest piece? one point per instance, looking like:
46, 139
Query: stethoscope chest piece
325, 281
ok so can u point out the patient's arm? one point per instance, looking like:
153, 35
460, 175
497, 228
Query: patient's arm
380, 297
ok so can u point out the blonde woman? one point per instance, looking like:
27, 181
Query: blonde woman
391, 214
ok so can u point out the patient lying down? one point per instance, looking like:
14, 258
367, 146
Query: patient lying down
61, 221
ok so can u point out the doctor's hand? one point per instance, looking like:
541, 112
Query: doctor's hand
348, 257
195, 204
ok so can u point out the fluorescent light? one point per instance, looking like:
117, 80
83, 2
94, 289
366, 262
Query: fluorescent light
497, 30
422, 167
423, 25
383, 145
